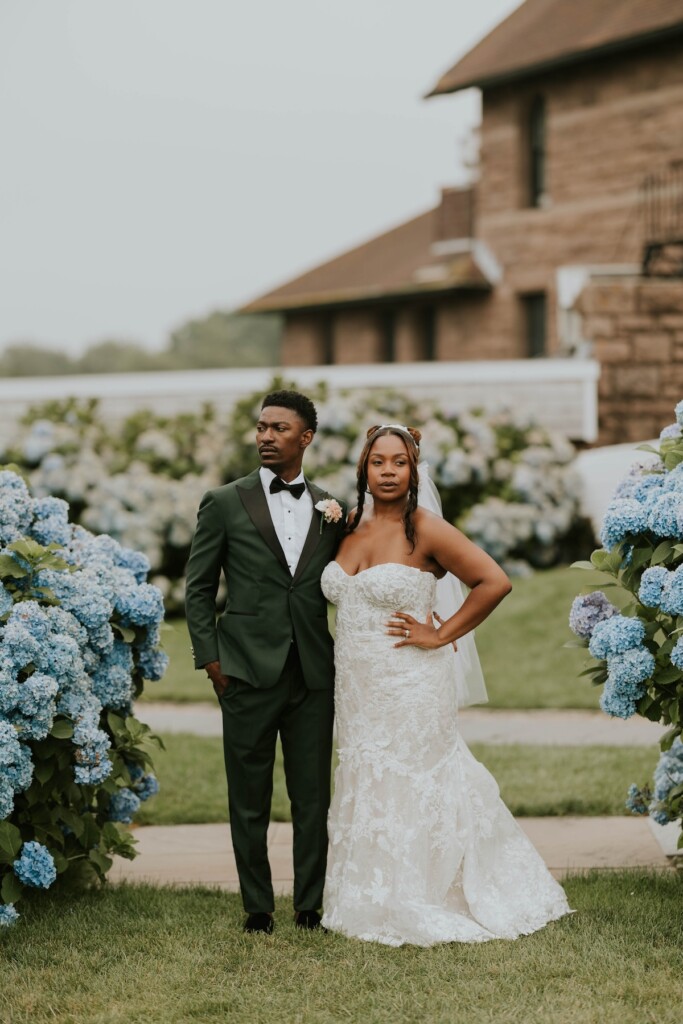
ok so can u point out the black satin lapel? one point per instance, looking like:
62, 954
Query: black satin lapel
256, 505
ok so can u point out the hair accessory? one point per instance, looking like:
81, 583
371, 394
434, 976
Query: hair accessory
396, 426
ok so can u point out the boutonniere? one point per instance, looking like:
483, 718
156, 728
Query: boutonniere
331, 511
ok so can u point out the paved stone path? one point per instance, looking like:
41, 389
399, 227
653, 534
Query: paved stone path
479, 725
202, 854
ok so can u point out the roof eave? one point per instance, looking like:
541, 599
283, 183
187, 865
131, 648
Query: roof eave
563, 60
316, 302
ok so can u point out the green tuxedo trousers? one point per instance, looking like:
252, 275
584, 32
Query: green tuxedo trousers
252, 719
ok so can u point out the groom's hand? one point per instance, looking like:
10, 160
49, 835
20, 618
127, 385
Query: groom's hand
219, 681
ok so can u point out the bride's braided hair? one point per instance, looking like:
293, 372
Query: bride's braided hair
407, 434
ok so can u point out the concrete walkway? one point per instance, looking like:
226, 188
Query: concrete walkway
202, 854
479, 725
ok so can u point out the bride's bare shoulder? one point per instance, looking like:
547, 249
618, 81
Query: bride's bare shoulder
434, 529
426, 520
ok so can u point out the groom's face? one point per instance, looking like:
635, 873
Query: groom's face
281, 439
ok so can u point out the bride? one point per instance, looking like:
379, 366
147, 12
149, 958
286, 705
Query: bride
422, 849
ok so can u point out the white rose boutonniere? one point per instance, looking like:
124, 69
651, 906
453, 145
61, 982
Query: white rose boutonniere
331, 511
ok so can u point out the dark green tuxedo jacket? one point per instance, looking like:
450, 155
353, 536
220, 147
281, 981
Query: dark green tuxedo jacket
266, 605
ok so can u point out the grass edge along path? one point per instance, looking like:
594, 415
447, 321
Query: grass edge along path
145, 955
534, 781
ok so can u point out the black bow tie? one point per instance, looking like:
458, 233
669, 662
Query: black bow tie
296, 490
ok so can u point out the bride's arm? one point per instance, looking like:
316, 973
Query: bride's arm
488, 584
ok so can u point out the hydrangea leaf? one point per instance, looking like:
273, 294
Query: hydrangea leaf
125, 632
100, 860
672, 459
668, 738
53, 831
43, 771
27, 548
669, 675
62, 729
119, 841
54, 562
597, 672
647, 448
116, 723
662, 552
582, 565
10, 842
641, 556
61, 862
9, 567
613, 562
136, 728
72, 820
650, 708
11, 889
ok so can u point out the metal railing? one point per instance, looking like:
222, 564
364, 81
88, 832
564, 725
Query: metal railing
662, 206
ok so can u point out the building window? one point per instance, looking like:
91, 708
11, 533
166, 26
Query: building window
535, 318
328, 340
429, 333
536, 151
388, 343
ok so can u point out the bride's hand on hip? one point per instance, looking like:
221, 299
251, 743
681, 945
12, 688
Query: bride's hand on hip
413, 633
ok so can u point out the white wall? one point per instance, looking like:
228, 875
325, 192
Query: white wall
559, 393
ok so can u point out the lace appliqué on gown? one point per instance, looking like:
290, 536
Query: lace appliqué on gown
422, 849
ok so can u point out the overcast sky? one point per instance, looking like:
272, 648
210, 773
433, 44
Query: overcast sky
164, 158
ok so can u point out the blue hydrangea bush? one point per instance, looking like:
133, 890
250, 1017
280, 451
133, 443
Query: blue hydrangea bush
79, 634
637, 648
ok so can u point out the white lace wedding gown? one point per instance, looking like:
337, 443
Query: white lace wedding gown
422, 848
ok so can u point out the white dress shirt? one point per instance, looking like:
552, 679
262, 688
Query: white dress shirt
291, 516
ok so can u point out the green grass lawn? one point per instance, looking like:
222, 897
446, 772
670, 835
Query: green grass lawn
533, 780
521, 648
139, 955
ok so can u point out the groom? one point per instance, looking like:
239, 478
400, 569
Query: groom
270, 655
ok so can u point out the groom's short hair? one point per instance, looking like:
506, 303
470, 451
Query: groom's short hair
297, 402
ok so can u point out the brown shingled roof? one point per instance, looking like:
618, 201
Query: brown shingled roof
544, 33
398, 263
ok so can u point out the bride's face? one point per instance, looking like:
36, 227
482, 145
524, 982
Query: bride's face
388, 468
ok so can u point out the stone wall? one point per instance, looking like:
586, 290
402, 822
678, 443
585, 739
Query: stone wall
609, 123
636, 329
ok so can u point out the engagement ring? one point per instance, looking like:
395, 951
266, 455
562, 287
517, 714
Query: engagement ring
407, 632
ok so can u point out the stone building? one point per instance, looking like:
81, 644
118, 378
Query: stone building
581, 144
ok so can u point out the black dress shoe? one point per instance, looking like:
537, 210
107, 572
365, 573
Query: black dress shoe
259, 923
309, 919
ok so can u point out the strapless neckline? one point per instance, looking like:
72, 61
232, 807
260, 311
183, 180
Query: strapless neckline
381, 565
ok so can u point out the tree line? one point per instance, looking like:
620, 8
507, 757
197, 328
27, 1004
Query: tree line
219, 340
